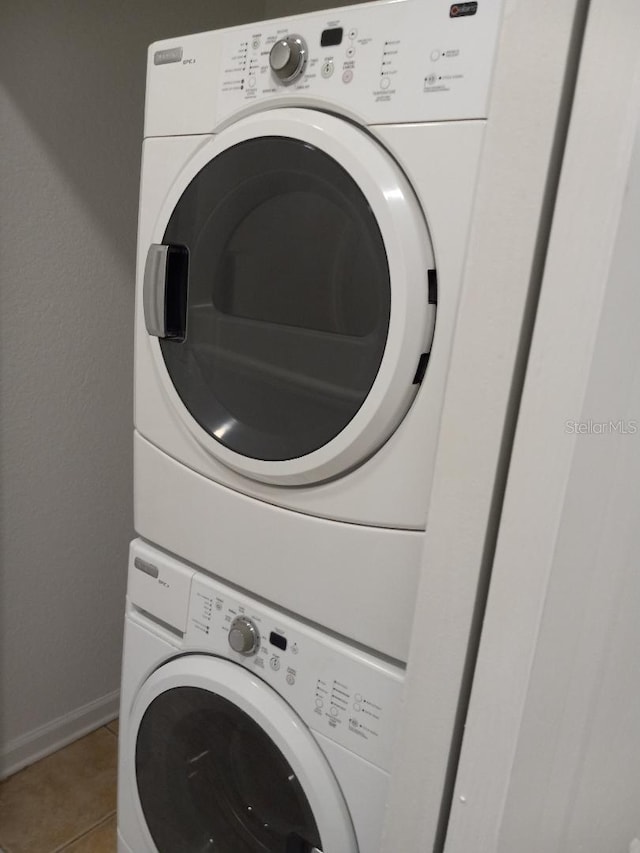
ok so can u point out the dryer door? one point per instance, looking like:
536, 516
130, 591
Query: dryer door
288, 285
223, 764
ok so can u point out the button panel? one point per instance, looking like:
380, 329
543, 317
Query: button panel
345, 694
391, 60
327, 68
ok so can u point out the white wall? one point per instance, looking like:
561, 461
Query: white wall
71, 110
551, 754
534, 74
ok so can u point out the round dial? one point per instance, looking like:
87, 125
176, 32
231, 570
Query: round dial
243, 636
288, 58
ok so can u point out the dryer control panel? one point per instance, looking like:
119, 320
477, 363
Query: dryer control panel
384, 62
411, 60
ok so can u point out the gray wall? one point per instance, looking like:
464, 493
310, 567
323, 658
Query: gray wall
71, 104
281, 8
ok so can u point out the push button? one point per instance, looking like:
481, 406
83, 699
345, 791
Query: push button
327, 69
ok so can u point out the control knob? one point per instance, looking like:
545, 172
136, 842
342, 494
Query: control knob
288, 58
243, 636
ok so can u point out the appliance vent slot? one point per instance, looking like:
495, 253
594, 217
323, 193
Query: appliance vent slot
433, 287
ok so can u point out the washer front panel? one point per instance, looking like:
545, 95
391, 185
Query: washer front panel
348, 695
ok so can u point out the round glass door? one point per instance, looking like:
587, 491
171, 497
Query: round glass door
224, 764
286, 286
210, 779
288, 299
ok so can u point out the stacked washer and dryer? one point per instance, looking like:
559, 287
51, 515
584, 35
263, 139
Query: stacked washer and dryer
306, 198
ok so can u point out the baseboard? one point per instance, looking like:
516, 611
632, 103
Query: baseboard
36, 744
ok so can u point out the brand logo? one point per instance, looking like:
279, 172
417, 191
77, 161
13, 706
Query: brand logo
461, 10
164, 57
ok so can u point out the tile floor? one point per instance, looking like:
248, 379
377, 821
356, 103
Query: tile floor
65, 802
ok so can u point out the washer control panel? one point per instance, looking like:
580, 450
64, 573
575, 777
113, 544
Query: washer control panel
341, 692
400, 61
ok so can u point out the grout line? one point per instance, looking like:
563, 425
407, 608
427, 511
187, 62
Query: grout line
107, 725
71, 841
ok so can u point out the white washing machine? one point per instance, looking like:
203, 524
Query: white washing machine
306, 198
243, 730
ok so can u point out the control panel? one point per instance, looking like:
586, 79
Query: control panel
345, 694
400, 61
288, 58
348, 695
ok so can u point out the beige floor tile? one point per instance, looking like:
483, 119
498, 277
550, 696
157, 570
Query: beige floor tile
114, 726
56, 800
102, 839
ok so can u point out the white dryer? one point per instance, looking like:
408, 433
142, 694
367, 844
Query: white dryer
306, 198
243, 730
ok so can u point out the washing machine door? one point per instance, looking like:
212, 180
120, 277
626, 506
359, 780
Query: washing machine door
288, 285
223, 764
